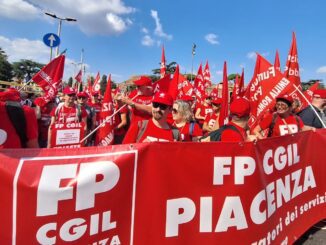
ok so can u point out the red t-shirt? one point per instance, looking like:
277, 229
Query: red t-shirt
8, 136
67, 114
204, 111
117, 120
282, 127
211, 119
230, 135
185, 132
45, 120
152, 133
137, 115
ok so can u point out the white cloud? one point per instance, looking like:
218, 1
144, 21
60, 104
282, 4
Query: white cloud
159, 29
147, 41
103, 17
321, 69
18, 9
144, 30
253, 55
212, 38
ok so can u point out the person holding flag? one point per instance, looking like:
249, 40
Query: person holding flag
211, 122
308, 115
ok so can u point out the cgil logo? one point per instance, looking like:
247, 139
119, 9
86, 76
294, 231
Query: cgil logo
50, 191
90, 180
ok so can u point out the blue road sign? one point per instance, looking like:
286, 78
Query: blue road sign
51, 40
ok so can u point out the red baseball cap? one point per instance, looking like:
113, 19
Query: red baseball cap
286, 98
217, 101
240, 107
320, 93
186, 98
94, 93
143, 81
163, 98
69, 90
82, 94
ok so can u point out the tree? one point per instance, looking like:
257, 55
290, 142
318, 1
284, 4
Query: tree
5, 67
26, 69
170, 68
103, 83
70, 81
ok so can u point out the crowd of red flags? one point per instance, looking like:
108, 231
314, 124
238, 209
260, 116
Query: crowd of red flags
267, 83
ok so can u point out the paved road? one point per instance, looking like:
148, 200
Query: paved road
314, 236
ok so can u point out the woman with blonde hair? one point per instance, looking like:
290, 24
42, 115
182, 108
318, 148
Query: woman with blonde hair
184, 120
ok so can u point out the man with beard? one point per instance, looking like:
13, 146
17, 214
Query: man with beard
157, 128
308, 115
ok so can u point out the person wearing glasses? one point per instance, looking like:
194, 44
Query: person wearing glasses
308, 116
203, 110
183, 120
67, 112
282, 121
156, 129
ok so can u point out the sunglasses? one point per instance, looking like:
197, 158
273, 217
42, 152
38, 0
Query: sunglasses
71, 95
174, 111
161, 106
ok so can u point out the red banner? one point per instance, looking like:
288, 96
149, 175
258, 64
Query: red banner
270, 192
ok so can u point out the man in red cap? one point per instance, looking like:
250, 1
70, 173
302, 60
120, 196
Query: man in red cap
308, 115
18, 124
156, 128
141, 105
67, 112
281, 122
236, 129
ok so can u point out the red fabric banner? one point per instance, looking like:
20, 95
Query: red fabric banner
207, 76
105, 134
199, 84
163, 67
270, 192
78, 77
224, 112
96, 85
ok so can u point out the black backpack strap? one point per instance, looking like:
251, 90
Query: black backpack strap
142, 125
298, 122
176, 133
271, 126
191, 129
17, 117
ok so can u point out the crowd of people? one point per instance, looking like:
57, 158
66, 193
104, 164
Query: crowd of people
142, 116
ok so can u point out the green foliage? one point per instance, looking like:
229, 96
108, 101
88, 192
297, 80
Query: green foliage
26, 69
103, 83
170, 68
5, 67
232, 76
70, 81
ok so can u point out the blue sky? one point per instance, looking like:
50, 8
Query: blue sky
124, 37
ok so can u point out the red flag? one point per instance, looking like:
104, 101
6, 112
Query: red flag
241, 86
214, 92
162, 85
236, 91
78, 77
105, 134
96, 85
49, 78
309, 94
199, 84
185, 87
174, 84
277, 63
163, 67
207, 76
266, 84
88, 88
224, 112
292, 65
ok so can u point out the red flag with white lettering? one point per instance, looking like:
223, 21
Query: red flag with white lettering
105, 134
174, 84
49, 78
163, 67
199, 84
224, 112
185, 86
292, 64
266, 84
309, 94
162, 85
96, 85
207, 76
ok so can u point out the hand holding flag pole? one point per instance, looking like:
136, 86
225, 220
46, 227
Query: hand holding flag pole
105, 121
311, 106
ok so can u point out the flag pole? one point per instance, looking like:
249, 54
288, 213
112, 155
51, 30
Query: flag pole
105, 121
311, 106
192, 60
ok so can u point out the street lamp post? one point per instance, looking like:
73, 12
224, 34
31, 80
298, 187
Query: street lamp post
60, 24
